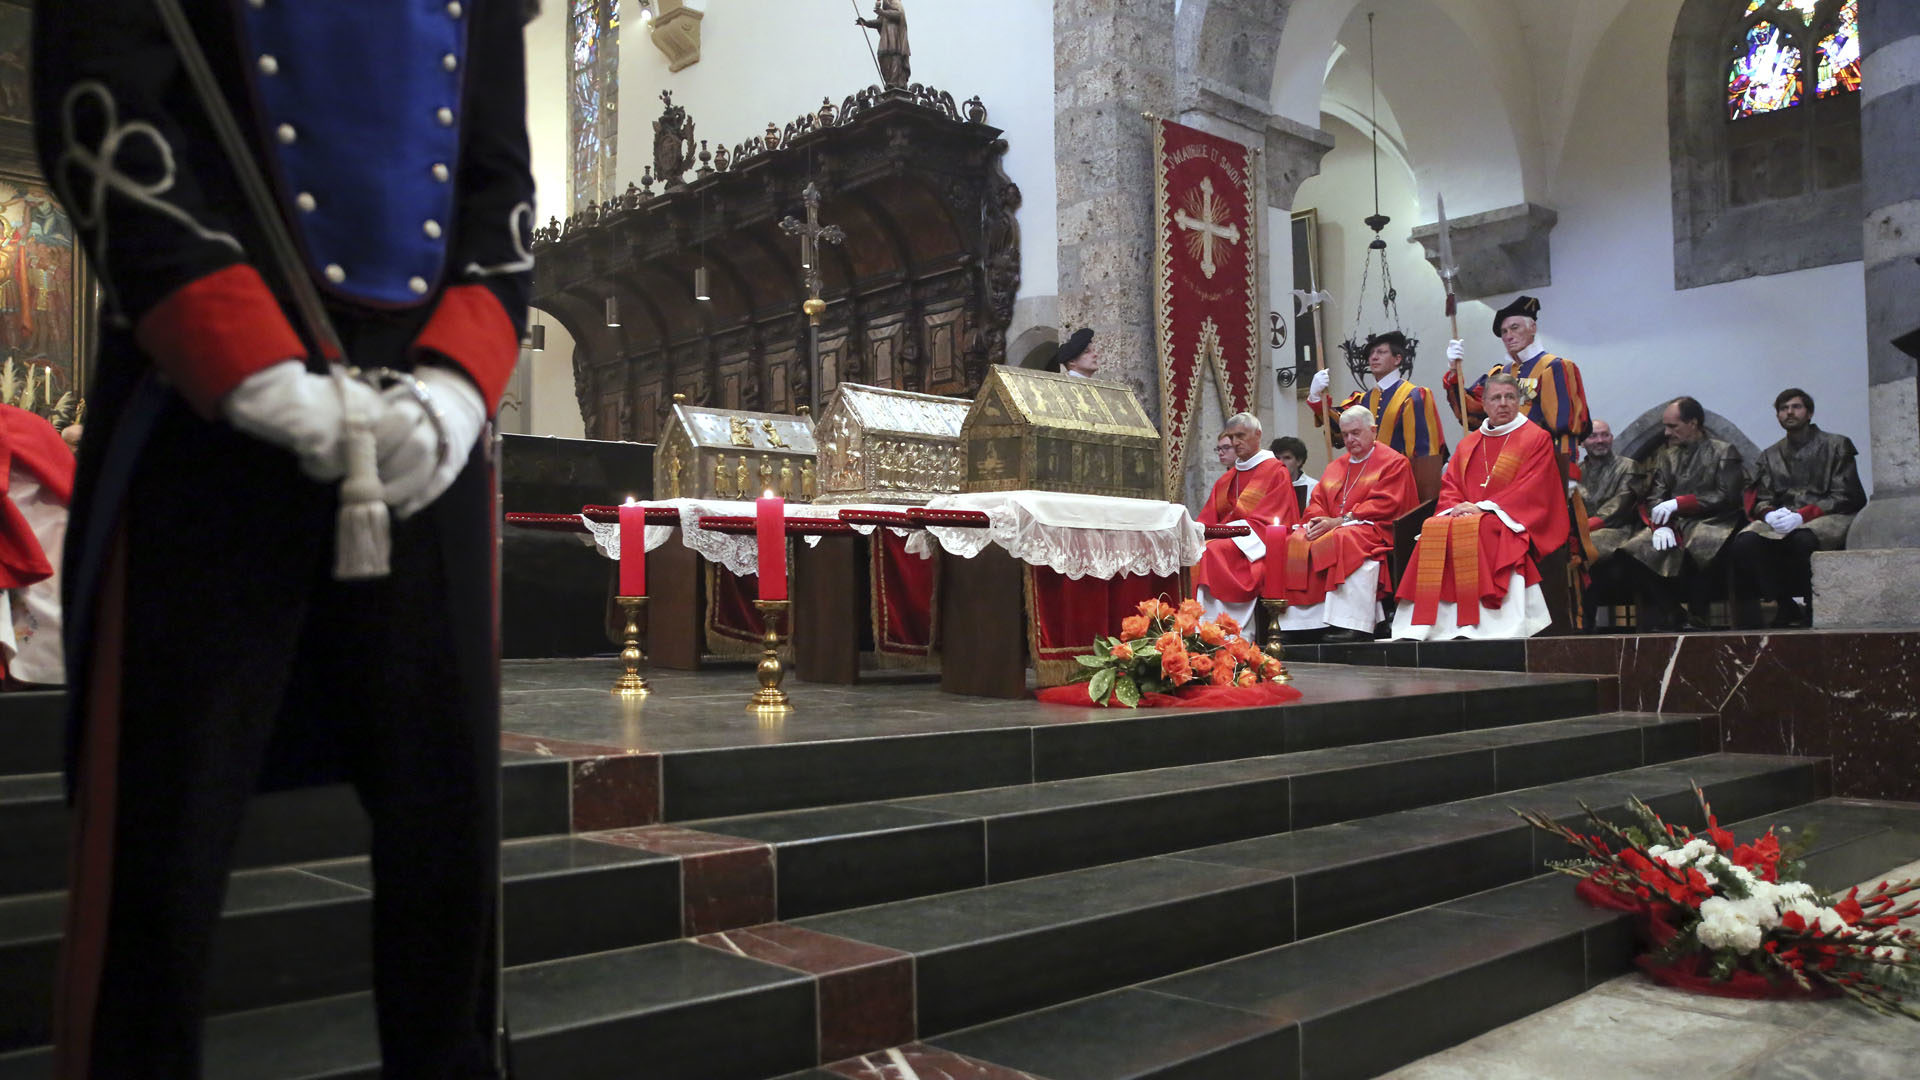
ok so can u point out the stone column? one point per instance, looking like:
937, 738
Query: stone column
1113, 61
1850, 587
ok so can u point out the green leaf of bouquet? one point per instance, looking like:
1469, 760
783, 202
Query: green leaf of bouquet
1103, 647
1127, 691
1092, 661
1101, 686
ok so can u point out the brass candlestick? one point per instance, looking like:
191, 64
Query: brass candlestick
1270, 641
631, 684
770, 698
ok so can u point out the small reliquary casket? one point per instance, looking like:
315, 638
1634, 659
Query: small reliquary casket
1035, 430
890, 446
729, 454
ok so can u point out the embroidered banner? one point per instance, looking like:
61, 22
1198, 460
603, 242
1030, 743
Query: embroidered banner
1205, 276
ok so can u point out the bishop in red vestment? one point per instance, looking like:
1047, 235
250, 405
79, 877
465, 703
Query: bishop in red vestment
1335, 556
1475, 570
1257, 491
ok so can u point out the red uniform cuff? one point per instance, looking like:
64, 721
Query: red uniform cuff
1687, 504
1594, 523
209, 335
471, 329
1808, 513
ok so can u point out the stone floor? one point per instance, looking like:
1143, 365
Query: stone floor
1631, 1029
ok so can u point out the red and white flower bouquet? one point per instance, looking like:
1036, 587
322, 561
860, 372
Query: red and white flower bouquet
1730, 918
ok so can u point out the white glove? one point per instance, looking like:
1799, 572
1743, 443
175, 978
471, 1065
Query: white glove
1785, 521
1317, 389
1572, 486
1663, 539
412, 475
1664, 510
292, 408
1456, 350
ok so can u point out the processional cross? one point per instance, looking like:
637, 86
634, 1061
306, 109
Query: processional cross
1207, 226
812, 234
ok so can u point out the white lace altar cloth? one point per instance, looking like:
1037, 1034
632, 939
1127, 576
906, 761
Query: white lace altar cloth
739, 554
1076, 535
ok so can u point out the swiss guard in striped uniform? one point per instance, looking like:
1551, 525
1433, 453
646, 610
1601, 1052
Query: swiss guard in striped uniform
227, 633
1550, 388
1406, 416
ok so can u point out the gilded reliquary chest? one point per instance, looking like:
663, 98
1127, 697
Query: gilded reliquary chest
890, 446
731, 454
1035, 430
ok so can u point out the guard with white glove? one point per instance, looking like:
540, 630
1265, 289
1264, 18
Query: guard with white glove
1317, 389
1785, 521
293, 408
1456, 350
1663, 511
1664, 540
415, 467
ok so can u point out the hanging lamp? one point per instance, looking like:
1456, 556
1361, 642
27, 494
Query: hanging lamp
1355, 347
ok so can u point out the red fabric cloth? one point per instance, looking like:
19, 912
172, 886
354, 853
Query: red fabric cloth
730, 610
902, 597
209, 335
1259, 496
1528, 487
1381, 489
1686, 504
1068, 614
469, 327
31, 445
1193, 696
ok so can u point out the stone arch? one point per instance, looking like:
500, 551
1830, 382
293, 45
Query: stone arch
1033, 347
1714, 239
1226, 48
1643, 436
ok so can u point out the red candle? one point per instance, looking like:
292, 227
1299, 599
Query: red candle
633, 549
770, 528
1275, 585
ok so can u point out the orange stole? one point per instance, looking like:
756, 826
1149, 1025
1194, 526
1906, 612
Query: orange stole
1299, 560
1457, 537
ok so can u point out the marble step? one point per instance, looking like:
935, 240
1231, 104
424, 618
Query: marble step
1368, 999
837, 857
303, 825
555, 786
722, 875
937, 964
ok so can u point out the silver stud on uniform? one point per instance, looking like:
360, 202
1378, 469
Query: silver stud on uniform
444, 115
440, 172
453, 9
335, 274
285, 134
268, 65
305, 202
450, 62
431, 228
418, 285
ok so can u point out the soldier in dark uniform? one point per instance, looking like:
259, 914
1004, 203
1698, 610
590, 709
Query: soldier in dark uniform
1692, 508
212, 652
1806, 491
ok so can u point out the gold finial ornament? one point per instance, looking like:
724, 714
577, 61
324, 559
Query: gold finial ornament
631, 684
770, 699
813, 306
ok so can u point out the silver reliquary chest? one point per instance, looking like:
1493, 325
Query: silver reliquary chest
1040, 431
731, 454
890, 446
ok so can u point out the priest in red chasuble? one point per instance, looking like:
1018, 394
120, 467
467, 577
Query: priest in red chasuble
1475, 570
1257, 491
1336, 572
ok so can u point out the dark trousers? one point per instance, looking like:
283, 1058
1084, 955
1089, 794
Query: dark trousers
240, 664
1663, 602
1610, 582
1765, 569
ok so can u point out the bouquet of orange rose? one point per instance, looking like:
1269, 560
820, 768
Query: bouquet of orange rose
1164, 649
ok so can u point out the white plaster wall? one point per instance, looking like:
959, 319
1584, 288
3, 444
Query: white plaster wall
551, 406
1613, 308
771, 60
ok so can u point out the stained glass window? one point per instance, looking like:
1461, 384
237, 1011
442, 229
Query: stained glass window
1840, 53
1766, 73
593, 90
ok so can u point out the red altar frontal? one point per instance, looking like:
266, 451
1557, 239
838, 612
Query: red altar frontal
983, 587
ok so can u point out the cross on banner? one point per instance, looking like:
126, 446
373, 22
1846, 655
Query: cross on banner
1206, 226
